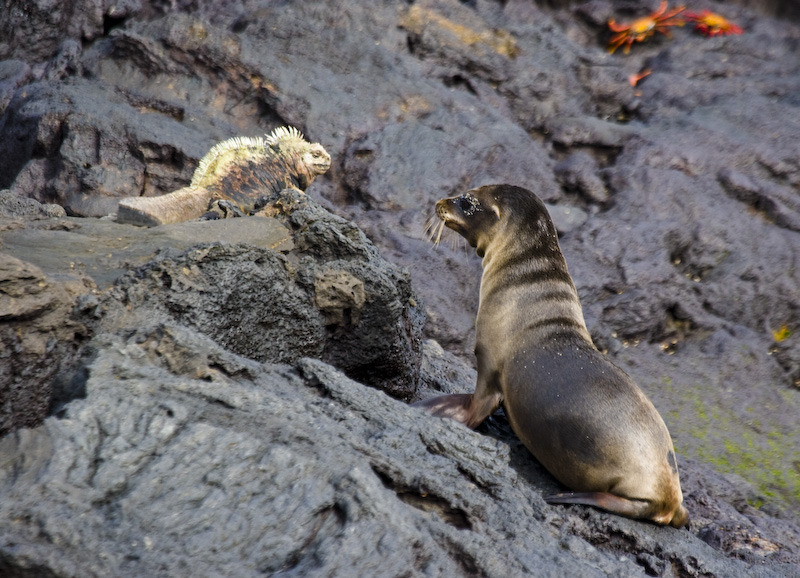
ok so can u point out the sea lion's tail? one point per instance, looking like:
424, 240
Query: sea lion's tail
637, 509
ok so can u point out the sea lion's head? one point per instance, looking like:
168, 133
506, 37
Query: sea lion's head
481, 214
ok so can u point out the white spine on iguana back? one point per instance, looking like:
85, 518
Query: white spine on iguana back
284, 134
281, 138
236, 143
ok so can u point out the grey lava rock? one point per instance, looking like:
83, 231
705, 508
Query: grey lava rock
579, 172
12, 205
39, 339
684, 255
84, 146
331, 297
34, 30
187, 459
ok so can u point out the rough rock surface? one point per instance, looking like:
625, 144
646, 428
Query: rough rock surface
681, 229
12, 205
39, 339
302, 283
209, 464
331, 297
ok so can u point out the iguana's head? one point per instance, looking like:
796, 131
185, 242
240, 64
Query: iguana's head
311, 159
317, 158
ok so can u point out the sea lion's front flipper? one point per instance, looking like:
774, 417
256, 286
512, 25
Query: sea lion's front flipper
462, 407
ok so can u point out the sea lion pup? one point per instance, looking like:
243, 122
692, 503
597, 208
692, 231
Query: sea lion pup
581, 416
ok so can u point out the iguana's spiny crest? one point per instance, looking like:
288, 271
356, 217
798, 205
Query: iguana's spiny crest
226, 151
243, 169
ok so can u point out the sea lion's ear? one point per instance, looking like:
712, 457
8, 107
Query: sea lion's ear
496, 210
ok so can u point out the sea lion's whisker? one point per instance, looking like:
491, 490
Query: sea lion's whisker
455, 240
439, 231
430, 222
433, 231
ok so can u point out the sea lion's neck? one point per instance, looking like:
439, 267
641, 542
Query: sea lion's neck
526, 284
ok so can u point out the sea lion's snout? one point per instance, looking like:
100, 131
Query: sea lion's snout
468, 204
457, 208
452, 213
468, 216
441, 209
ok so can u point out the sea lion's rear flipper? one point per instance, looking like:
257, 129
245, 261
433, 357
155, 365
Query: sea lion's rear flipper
462, 407
604, 501
638, 509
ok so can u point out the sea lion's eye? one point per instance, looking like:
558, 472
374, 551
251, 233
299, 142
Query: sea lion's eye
468, 204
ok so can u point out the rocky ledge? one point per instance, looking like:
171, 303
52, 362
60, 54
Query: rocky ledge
229, 397
195, 429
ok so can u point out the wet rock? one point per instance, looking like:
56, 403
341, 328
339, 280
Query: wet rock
579, 172
39, 339
686, 278
331, 297
216, 448
104, 250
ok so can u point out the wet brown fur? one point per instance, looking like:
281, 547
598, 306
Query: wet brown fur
581, 416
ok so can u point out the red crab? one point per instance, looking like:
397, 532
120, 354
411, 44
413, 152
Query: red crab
712, 24
643, 28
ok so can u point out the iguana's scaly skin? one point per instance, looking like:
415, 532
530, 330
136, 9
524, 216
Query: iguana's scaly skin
240, 170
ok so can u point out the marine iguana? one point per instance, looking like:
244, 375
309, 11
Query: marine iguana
232, 177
